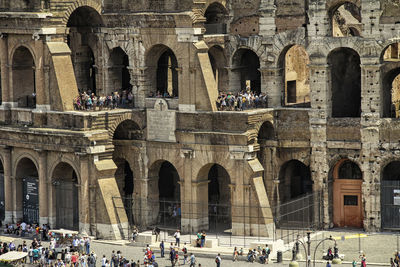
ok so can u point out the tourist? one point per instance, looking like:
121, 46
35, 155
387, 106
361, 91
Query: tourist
235, 254
392, 264
192, 260
328, 264
203, 238
177, 236
363, 261
162, 247
218, 260
185, 253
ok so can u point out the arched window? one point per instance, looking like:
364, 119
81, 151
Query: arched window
246, 73
119, 74
345, 79
24, 82
215, 19
346, 20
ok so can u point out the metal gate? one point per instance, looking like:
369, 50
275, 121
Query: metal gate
390, 204
30, 200
2, 198
67, 208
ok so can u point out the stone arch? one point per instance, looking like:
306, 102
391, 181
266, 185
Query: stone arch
165, 203
27, 201
245, 71
65, 182
345, 71
390, 94
66, 161
344, 15
118, 72
295, 180
162, 70
81, 3
20, 157
216, 18
267, 131
120, 119
127, 130
24, 76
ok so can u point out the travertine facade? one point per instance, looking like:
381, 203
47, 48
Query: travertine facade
330, 125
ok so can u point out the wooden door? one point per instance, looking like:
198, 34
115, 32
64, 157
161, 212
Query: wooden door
347, 204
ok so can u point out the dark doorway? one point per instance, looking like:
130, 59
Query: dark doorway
390, 196
167, 74
219, 200
24, 82
27, 180
118, 70
215, 19
125, 182
246, 66
169, 196
345, 82
66, 195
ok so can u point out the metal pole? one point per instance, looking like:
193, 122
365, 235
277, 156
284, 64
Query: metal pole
308, 248
359, 243
397, 243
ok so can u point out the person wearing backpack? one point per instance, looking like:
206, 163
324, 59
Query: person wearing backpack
218, 260
267, 252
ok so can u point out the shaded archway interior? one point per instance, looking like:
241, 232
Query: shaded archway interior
27, 193
295, 180
125, 181
390, 195
127, 130
246, 74
215, 19
24, 81
66, 194
119, 76
83, 25
391, 90
345, 72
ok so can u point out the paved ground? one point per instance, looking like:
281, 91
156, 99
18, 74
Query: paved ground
378, 247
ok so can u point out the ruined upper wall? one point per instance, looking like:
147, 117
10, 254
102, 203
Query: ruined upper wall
290, 14
113, 6
390, 11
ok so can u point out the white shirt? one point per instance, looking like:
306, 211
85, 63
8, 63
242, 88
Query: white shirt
177, 235
23, 226
103, 261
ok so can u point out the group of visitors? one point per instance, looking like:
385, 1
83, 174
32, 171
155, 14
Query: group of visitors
241, 101
117, 99
159, 94
261, 253
22, 229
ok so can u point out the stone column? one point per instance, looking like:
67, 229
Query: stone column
320, 103
5, 87
41, 98
8, 190
370, 139
43, 196
84, 222
273, 85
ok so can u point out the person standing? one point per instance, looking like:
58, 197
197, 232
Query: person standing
235, 254
203, 238
185, 254
363, 261
162, 248
354, 263
328, 264
218, 260
177, 236
192, 260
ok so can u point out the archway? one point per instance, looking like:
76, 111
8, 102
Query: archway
215, 19
125, 182
27, 191
297, 77
83, 25
346, 20
2, 193
390, 196
219, 67
66, 196
345, 72
167, 74
165, 194
24, 82
119, 75
347, 202
127, 130
246, 75
219, 199
391, 94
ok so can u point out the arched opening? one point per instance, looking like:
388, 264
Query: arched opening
295, 180
391, 53
23, 73
119, 75
391, 94
346, 20
127, 130
215, 19
165, 194
125, 182
295, 199
219, 199
297, 77
246, 74
66, 196
162, 72
347, 202
390, 196
83, 26
219, 67
27, 193
345, 72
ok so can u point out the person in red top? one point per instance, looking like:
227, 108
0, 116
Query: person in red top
74, 259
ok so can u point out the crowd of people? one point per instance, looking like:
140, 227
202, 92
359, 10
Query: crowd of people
241, 101
117, 99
